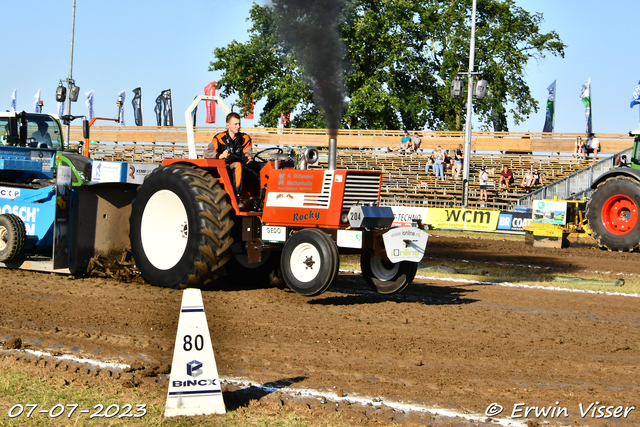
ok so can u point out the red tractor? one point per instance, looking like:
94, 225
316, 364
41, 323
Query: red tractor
185, 228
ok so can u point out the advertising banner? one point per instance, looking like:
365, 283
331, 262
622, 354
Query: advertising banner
550, 212
403, 216
465, 219
513, 221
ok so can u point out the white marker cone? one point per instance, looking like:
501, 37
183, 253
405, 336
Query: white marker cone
194, 385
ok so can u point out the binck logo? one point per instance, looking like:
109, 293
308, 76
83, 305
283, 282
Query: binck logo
194, 368
476, 217
193, 383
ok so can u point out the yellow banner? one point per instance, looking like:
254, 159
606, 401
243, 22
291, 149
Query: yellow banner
467, 219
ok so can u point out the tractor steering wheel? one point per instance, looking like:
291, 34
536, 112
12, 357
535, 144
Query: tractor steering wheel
263, 157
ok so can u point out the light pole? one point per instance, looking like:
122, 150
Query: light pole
467, 132
70, 82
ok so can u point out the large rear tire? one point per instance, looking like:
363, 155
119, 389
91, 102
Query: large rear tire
612, 214
310, 262
386, 277
13, 236
180, 227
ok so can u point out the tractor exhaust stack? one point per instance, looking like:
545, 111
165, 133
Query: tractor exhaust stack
333, 149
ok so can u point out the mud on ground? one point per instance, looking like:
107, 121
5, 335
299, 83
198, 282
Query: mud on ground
453, 345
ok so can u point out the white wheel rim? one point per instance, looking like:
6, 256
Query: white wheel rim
4, 238
305, 262
164, 230
381, 272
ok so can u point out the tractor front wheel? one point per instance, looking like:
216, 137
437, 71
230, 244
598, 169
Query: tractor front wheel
612, 214
12, 238
386, 277
180, 227
309, 262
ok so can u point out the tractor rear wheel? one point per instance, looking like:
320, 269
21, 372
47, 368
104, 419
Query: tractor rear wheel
386, 277
310, 262
180, 227
13, 236
612, 213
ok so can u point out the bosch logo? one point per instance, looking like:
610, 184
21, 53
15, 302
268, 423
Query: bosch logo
194, 368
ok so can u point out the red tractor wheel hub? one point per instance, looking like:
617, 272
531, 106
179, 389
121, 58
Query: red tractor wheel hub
619, 214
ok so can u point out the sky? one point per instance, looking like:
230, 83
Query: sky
121, 45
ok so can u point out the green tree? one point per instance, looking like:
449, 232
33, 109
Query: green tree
399, 61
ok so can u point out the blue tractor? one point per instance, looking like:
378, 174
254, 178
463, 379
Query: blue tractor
52, 217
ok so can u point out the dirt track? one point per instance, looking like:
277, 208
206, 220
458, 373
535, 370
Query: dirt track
448, 344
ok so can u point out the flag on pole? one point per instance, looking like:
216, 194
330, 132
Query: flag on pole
61, 108
167, 103
36, 104
585, 96
121, 98
635, 98
550, 116
210, 90
14, 101
251, 107
136, 103
89, 103
158, 110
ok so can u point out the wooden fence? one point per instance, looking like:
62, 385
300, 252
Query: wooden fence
523, 142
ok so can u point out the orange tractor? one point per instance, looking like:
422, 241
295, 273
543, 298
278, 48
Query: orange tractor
185, 228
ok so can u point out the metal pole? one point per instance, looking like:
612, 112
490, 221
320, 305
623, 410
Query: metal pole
70, 79
467, 132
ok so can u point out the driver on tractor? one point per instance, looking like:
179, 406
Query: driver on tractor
235, 148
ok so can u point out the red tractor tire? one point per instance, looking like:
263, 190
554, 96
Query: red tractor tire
612, 214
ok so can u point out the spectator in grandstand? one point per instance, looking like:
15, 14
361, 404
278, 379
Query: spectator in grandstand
592, 146
415, 142
430, 164
448, 163
506, 177
457, 161
404, 142
527, 179
578, 147
537, 178
483, 177
438, 160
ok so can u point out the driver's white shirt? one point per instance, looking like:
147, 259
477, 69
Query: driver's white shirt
42, 139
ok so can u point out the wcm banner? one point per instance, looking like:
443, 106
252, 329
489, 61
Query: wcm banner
466, 219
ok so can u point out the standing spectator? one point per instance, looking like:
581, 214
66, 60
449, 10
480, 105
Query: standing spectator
592, 146
404, 142
578, 147
506, 177
537, 178
483, 177
415, 142
458, 158
438, 159
527, 179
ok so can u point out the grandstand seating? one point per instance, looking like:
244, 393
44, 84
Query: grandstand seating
405, 182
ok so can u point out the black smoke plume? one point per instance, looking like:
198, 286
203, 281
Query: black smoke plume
310, 28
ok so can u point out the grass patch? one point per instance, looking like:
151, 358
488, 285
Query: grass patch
19, 385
